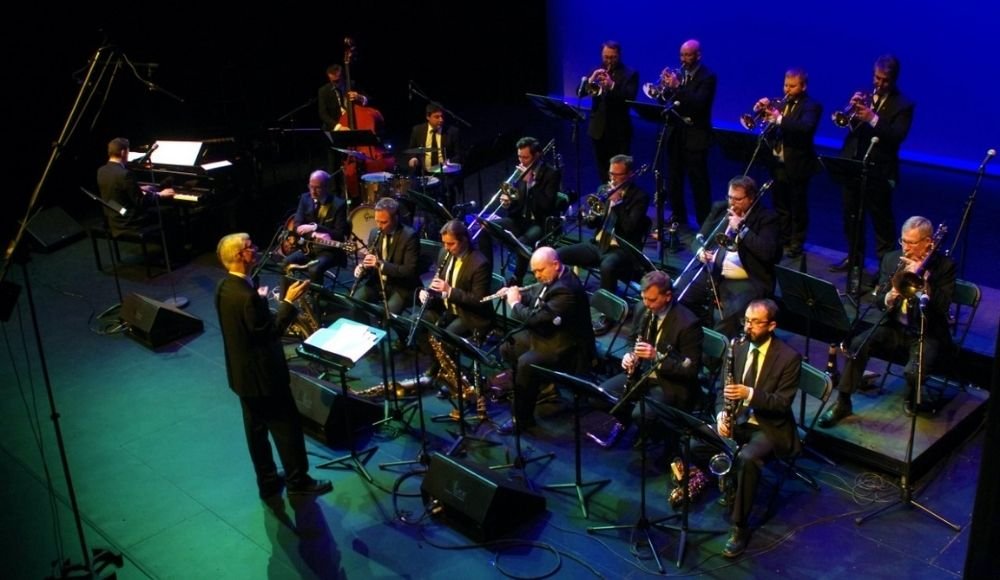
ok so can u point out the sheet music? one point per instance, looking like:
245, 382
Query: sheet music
346, 338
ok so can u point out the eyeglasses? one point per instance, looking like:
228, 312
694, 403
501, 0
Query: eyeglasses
734, 198
752, 322
613, 174
905, 242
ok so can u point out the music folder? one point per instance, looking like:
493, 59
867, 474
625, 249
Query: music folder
344, 341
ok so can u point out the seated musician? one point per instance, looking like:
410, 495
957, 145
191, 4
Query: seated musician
320, 217
659, 327
118, 187
557, 331
391, 262
769, 376
440, 145
527, 204
898, 332
625, 216
736, 277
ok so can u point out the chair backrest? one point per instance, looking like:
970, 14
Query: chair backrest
966, 295
614, 309
814, 383
713, 351
429, 250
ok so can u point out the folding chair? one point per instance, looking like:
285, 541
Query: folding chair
612, 309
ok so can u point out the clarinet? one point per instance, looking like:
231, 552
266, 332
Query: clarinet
364, 272
636, 371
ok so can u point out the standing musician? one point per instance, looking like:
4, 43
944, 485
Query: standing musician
768, 371
530, 202
887, 117
332, 102
691, 134
659, 327
463, 279
319, 216
898, 333
794, 126
625, 216
610, 86
555, 315
442, 145
393, 252
735, 277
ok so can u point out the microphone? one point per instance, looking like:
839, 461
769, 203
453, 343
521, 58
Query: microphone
582, 89
989, 155
557, 321
460, 207
672, 353
924, 299
142, 160
871, 146
700, 238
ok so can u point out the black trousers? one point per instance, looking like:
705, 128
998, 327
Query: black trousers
615, 264
526, 381
275, 415
895, 341
876, 202
693, 165
791, 202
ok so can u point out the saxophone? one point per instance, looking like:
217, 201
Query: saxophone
721, 464
450, 375
306, 323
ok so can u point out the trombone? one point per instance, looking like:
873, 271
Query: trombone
750, 121
508, 187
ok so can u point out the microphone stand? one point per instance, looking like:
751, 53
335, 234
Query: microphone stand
111, 252
966, 216
855, 263
905, 485
174, 300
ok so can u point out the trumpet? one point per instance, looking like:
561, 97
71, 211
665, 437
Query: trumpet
503, 292
669, 81
845, 117
594, 85
756, 116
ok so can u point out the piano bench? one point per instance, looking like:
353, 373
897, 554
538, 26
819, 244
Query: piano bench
142, 236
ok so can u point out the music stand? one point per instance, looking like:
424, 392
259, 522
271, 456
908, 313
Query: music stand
429, 205
687, 426
461, 346
847, 172
341, 346
506, 238
814, 299
580, 387
561, 111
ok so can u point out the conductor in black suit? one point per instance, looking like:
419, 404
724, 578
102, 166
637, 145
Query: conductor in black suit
393, 253
255, 366
557, 331
792, 129
887, 117
659, 327
610, 86
737, 276
690, 134
527, 204
443, 147
766, 371
320, 216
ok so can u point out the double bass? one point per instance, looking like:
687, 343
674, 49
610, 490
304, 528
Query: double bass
358, 117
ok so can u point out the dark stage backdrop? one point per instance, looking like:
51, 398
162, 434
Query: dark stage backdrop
947, 55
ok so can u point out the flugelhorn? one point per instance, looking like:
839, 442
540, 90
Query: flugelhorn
750, 121
669, 80
845, 117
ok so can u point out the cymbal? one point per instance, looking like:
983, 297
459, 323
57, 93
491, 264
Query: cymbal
352, 153
447, 168
419, 150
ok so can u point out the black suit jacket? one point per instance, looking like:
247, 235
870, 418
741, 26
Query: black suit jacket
796, 133
681, 333
333, 223
330, 105
251, 337
894, 118
696, 98
630, 215
759, 248
559, 323
537, 203
400, 266
450, 142
116, 184
777, 383
609, 113
472, 285
940, 287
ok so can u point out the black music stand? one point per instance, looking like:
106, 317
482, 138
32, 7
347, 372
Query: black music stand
561, 111
429, 205
340, 347
348, 140
687, 426
580, 387
847, 172
506, 238
461, 346
815, 300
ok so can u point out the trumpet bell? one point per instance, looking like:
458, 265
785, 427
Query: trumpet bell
724, 241
840, 119
748, 121
652, 91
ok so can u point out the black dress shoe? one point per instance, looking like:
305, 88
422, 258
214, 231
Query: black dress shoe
834, 414
271, 488
840, 266
739, 537
311, 487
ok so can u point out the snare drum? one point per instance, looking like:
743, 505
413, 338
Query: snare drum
363, 221
376, 186
401, 184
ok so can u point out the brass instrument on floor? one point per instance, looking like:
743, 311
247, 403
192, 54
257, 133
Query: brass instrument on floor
750, 121
908, 283
845, 117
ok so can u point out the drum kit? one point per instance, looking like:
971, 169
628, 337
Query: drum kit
396, 185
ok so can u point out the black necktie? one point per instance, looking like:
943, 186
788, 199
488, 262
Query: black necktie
750, 379
434, 146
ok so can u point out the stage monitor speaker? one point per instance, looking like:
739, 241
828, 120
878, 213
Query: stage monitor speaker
53, 228
154, 323
323, 405
479, 503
